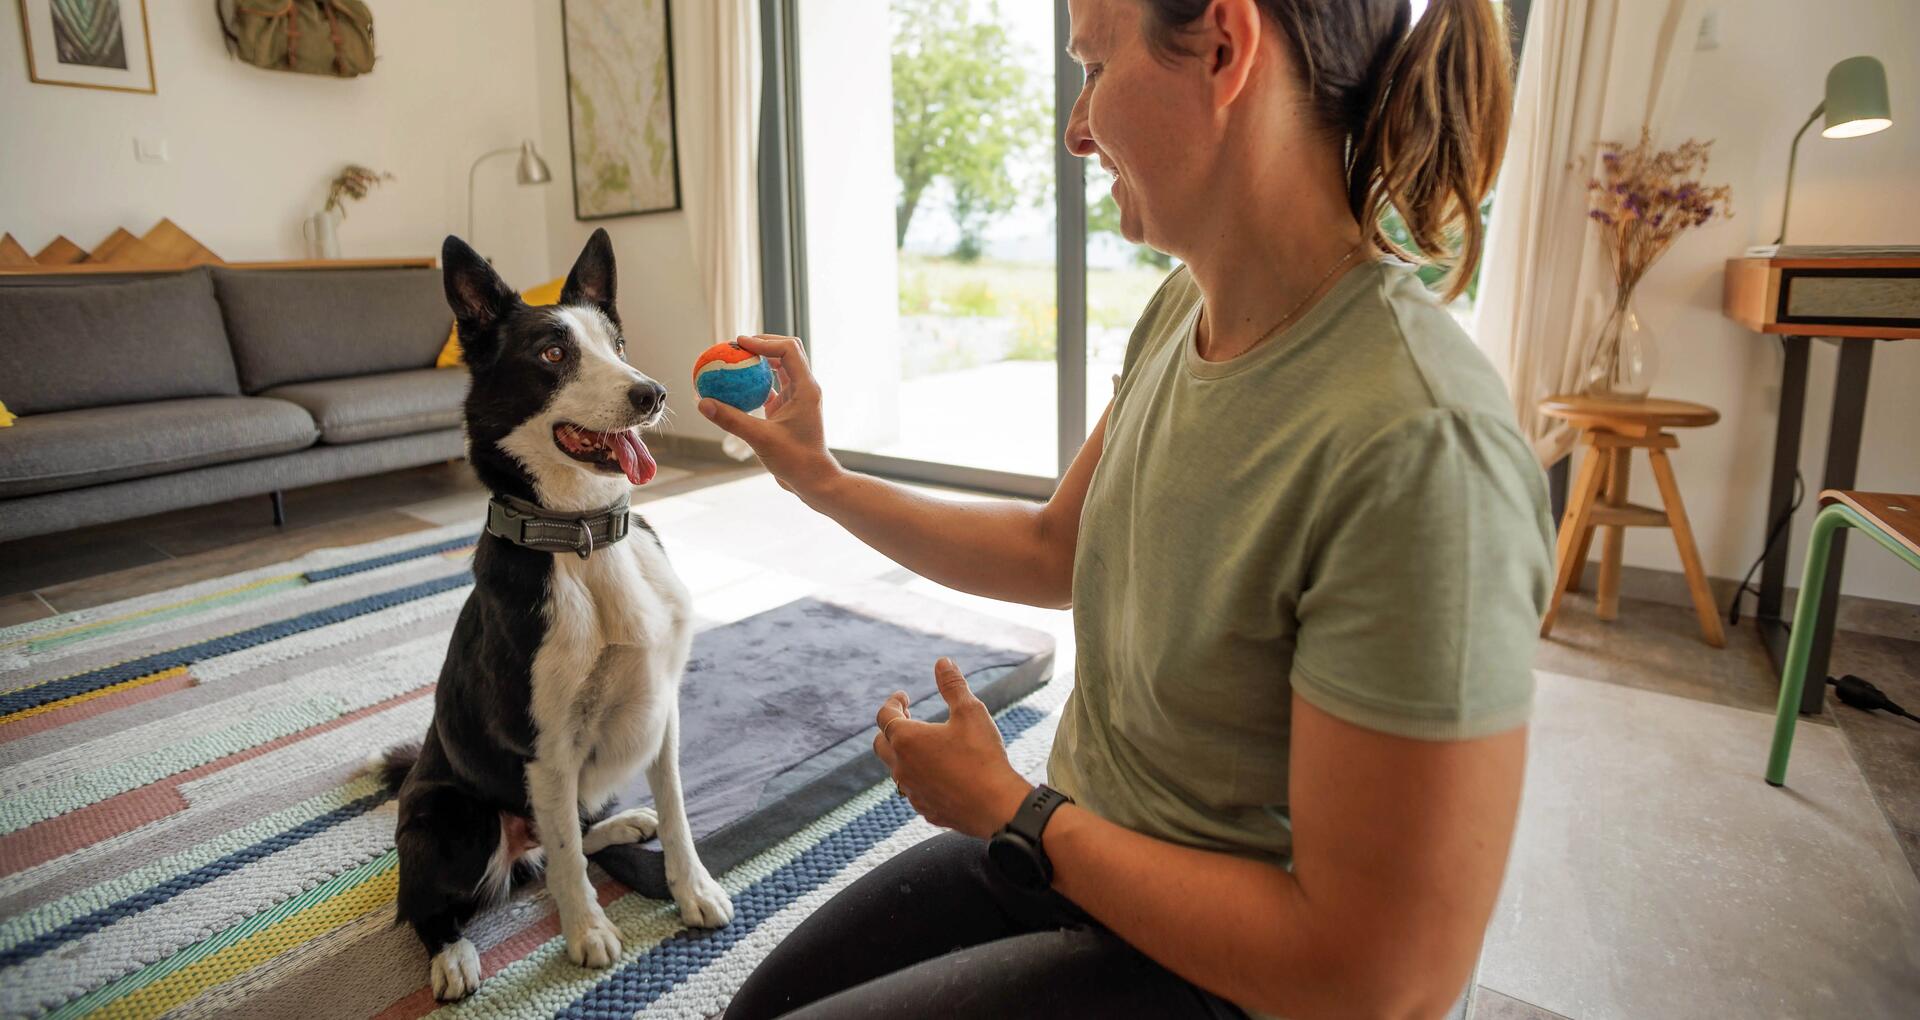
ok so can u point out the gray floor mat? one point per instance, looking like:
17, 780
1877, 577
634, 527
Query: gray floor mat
777, 715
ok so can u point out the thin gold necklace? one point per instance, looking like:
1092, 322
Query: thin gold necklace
1287, 320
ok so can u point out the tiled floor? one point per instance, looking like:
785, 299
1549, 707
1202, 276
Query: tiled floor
1655, 874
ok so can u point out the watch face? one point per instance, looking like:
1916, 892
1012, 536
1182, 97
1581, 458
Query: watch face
1017, 861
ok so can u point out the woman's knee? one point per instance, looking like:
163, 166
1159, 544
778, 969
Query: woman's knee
902, 911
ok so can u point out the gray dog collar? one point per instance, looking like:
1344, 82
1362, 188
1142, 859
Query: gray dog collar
535, 527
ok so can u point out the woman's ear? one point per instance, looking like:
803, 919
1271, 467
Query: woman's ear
1233, 31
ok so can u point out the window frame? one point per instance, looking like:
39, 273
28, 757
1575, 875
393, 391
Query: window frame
784, 269
783, 232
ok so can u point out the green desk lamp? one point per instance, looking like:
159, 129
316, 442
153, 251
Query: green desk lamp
1856, 105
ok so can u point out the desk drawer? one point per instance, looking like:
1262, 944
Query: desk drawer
1888, 297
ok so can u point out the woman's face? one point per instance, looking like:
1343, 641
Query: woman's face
1146, 121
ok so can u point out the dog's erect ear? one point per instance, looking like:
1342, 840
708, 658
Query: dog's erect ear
591, 282
477, 295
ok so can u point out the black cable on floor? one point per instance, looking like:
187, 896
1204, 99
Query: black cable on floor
1776, 533
1863, 695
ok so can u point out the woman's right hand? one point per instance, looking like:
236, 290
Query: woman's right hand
791, 441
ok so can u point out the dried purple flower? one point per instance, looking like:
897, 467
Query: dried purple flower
1643, 199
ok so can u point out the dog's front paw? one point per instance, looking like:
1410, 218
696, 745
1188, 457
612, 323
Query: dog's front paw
455, 971
595, 944
635, 825
703, 904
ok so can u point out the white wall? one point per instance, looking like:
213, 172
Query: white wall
1750, 95
251, 151
663, 307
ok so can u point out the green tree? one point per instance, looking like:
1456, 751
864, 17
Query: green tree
961, 107
1103, 217
1396, 230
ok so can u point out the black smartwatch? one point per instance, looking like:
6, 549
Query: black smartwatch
1015, 851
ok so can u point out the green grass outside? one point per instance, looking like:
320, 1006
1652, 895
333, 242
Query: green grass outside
1023, 293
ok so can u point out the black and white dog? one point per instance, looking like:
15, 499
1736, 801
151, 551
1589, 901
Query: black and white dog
562, 679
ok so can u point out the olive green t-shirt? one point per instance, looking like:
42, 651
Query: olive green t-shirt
1347, 511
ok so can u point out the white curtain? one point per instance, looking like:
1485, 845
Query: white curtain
726, 210
725, 206
1591, 71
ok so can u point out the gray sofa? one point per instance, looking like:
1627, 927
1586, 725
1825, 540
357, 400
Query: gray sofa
139, 394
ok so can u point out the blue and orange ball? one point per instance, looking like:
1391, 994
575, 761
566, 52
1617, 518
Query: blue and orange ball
733, 376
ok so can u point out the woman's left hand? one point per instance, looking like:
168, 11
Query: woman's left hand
954, 773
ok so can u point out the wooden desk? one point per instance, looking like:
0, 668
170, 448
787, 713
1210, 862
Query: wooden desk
1854, 302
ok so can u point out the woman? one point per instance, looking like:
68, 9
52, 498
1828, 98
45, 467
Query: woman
1306, 551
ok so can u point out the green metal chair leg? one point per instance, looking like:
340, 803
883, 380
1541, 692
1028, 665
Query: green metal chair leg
1793, 672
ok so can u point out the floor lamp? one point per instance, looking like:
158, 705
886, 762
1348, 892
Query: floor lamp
531, 170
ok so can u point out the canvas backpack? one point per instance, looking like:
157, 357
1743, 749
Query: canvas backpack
313, 36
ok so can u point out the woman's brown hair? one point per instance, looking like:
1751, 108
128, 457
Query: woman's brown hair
1423, 111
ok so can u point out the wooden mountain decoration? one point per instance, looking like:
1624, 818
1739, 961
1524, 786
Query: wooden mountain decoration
11, 254
121, 248
165, 246
176, 246
60, 252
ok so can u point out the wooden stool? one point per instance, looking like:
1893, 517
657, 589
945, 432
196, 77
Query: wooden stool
1612, 429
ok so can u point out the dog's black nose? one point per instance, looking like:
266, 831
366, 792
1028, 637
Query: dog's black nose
647, 397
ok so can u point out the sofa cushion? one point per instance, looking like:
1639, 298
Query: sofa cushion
91, 345
292, 326
71, 449
378, 406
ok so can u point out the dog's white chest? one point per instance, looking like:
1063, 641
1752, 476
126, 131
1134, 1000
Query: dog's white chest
625, 595
607, 675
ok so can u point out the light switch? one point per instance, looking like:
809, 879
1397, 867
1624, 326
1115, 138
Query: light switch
150, 150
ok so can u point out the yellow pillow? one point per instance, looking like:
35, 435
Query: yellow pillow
547, 293
6, 417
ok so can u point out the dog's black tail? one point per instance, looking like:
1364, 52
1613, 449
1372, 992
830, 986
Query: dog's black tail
393, 764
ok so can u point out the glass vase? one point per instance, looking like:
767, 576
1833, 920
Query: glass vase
323, 235
1624, 360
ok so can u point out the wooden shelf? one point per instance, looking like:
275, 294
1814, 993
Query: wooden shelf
85, 268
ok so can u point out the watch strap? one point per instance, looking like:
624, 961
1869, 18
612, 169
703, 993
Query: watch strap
1031, 820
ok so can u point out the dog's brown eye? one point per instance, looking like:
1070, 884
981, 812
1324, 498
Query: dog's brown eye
553, 355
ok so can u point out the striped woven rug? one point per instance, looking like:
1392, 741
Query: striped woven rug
184, 830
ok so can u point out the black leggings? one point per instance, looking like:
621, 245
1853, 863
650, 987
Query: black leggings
935, 932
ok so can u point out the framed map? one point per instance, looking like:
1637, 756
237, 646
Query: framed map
620, 115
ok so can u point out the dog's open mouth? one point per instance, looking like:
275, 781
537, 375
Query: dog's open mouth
607, 451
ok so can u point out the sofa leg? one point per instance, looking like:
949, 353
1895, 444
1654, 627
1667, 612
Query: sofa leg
279, 508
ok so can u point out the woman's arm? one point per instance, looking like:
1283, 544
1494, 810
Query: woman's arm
1399, 847
1011, 550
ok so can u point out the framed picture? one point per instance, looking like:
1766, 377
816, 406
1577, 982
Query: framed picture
91, 44
620, 115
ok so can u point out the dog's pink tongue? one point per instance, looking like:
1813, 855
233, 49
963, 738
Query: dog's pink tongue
634, 458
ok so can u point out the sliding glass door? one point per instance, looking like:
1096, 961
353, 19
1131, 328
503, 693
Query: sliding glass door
927, 235
958, 276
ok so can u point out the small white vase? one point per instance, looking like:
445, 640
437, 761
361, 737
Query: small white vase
1624, 358
322, 231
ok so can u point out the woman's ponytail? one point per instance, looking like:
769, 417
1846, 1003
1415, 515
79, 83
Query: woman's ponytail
1424, 109
1434, 133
